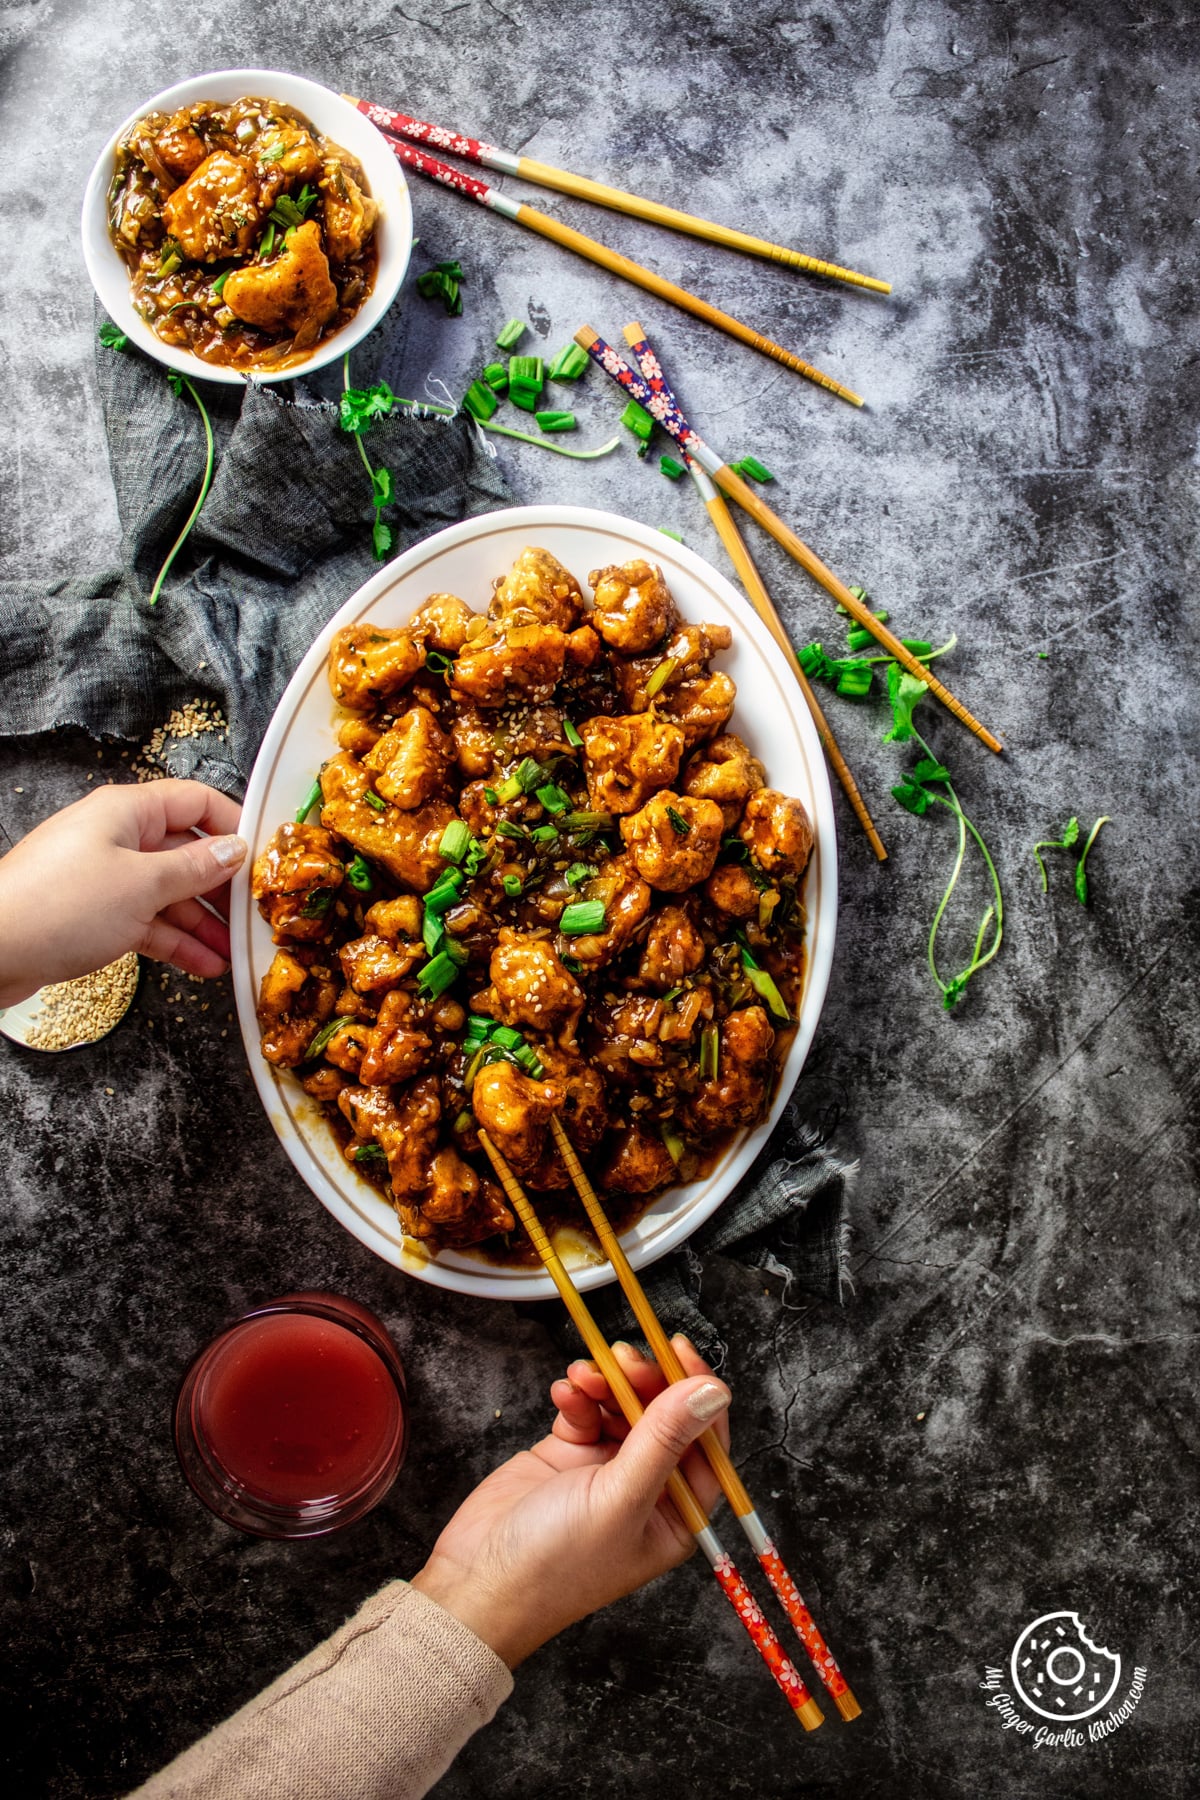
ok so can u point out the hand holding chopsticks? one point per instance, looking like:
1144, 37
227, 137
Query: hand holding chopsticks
690, 1511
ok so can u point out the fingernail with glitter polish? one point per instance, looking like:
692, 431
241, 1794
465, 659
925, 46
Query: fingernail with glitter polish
708, 1401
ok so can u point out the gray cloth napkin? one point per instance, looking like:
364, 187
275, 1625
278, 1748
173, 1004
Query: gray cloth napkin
282, 541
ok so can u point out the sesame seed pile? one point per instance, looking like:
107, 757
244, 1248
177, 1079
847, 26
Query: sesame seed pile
192, 720
81, 1011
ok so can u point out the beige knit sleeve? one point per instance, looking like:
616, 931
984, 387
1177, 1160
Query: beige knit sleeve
377, 1712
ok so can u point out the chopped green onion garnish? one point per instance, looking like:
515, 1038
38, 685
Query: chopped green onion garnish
496, 376
582, 918
317, 904
588, 821
751, 467
528, 774
438, 974
432, 931
321, 1038
373, 800
437, 662
513, 886
556, 421
674, 1143
218, 286
765, 987
667, 532
670, 468
370, 1153
455, 841
456, 952
553, 798
506, 829
267, 246
511, 335
525, 394
476, 856
580, 871
506, 1037
661, 675
441, 283
671, 994
491, 796
544, 834
311, 799
509, 789
855, 682
526, 1058
526, 368
446, 893
572, 736
480, 401
638, 421
569, 364
358, 874
710, 1053
679, 824
571, 964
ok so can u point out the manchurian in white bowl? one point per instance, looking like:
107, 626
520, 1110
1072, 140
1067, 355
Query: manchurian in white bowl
246, 223
544, 978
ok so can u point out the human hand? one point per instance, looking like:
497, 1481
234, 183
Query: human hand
563, 1529
120, 870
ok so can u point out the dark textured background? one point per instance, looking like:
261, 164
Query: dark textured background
1002, 1421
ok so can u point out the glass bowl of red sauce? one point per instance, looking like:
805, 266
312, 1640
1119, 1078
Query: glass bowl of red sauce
294, 1421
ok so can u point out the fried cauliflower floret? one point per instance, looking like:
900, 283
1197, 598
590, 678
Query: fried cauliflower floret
358, 736
673, 841
368, 663
373, 964
685, 653
411, 760
409, 1137
216, 212
522, 662
538, 588
778, 831
626, 899
395, 1054
442, 621
673, 949
700, 706
180, 147
349, 214
399, 918
347, 1045
293, 1003
286, 153
515, 1112
293, 292
530, 987
626, 759
638, 1163
732, 891
726, 772
294, 881
578, 1094
474, 742
632, 608
403, 843
459, 1209
743, 1071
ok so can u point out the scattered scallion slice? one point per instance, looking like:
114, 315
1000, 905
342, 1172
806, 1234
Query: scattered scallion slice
496, 376
674, 1143
556, 421
438, 974
710, 1053
445, 893
751, 467
506, 829
582, 918
513, 886
433, 931
267, 247
636, 419
374, 802
358, 874
572, 736
480, 401
588, 821
670, 468
548, 443
660, 676
580, 871
218, 286
764, 986
455, 841
569, 364
441, 283
553, 798
321, 1038
679, 824
507, 1037
667, 532
311, 799
370, 1153
491, 796
544, 834
438, 663
511, 335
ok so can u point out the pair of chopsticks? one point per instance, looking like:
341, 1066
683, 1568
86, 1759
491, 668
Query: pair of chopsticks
682, 1495
394, 125
656, 396
756, 588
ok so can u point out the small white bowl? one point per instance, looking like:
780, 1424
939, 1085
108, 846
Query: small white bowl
333, 116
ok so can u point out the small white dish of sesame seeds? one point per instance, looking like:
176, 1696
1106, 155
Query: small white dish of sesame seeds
69, 1014
769, 715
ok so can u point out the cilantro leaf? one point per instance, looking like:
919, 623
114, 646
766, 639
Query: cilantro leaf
382, 481
912, 797
358, 406
930, 770
381, 539
905, 693
111, 336
1081, 886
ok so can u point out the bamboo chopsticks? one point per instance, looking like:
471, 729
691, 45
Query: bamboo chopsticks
488, 156
718, 511
785, 1675
722, 1466
612, 260
662, 405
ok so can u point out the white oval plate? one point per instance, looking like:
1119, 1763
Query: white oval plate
332, 116
770, 715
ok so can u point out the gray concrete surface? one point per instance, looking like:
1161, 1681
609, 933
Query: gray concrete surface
1001, 1422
